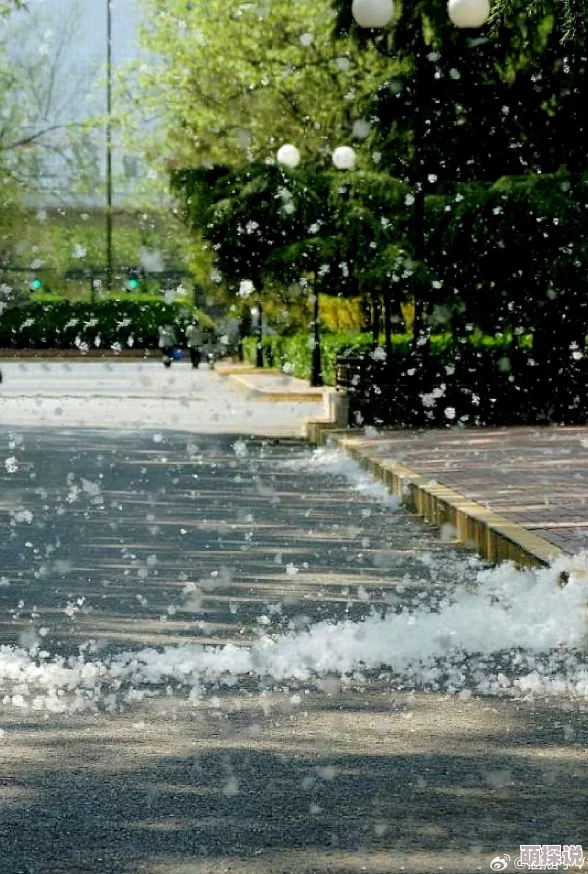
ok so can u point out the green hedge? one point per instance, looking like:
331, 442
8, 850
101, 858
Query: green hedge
296, 350
478, 380
104, 324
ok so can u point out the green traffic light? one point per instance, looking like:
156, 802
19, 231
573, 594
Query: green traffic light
36, 284
133, 284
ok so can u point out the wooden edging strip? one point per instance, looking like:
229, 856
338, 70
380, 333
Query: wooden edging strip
495, 537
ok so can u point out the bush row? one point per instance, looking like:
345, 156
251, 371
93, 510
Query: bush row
485, 381
104, 324
295, 352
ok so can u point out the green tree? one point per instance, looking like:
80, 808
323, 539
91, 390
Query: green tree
229, 84
572, 14
7, 6
463, 108
295, 233
45, 145
513, 261
248, 214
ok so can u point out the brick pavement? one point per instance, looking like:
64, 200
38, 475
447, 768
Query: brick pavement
536, 477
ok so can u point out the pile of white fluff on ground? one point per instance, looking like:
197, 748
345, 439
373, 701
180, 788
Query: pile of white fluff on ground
518, 632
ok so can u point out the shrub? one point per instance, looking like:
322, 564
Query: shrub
296, 350
480, 381
104, 324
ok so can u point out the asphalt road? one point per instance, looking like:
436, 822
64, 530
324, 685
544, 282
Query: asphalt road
114, 541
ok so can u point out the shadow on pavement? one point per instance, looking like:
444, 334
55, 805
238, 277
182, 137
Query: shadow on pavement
372, 786
159, 539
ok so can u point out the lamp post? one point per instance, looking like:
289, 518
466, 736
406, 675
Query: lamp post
377, 14
108, 146
256, 324
289, 156
344, 158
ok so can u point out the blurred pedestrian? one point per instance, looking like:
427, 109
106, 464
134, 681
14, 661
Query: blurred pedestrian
210, 348
194, 341
167, 341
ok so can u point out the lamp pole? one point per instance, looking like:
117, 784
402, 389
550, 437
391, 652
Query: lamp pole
259, 344
418, 179
316, 370
378, 14
344, 158
256, 317
108, 146
289, 156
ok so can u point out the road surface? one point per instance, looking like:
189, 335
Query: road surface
227, 653
137, 395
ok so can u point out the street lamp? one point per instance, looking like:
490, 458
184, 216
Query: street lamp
379, 14
108, 146
344, 158
372, 13
289, 156
256, 324
468, 13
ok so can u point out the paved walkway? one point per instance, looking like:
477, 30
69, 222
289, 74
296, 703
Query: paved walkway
271, 385
512, 493
537, 477
532, 482
142, 395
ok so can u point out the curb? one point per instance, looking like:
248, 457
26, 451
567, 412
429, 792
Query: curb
234, 369
496, 538
317, 430
75, 355
270, 395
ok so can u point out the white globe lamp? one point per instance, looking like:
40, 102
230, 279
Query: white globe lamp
344, 158
372, 13
289, 156
468, 13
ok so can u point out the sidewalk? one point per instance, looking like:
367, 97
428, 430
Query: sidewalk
518, 493
271, 385
511, 493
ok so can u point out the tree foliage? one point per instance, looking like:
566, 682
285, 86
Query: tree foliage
308, 229
476, 105
464, 115
229, 84
7, 6
514, 257
44, 144
572, 14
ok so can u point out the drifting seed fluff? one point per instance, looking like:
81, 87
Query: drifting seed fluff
516, 633
337, 463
